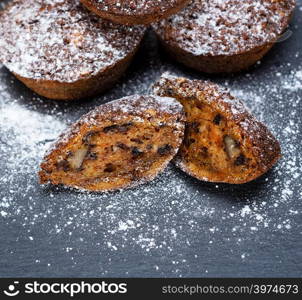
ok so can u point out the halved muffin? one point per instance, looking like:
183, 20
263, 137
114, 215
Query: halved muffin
117, 145
223, 142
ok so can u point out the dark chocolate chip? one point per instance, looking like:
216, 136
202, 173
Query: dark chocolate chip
33, 22
63, 165
240, 160
169, 92
109, 168
122, 146
164, 150
217, 119
199, 105
194, 126
118, 128
193, 16
91, 155
69, 154
204, 152
110, 128
125, 127
135, 140
86, 139
136, 152
188, 142
66, 41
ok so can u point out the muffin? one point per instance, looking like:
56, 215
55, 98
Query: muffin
223, 36
62, 51
223, 142
117, 145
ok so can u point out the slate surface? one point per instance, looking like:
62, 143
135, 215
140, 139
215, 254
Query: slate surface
174, 226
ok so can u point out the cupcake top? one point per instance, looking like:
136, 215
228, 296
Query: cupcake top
61, 40
226, 27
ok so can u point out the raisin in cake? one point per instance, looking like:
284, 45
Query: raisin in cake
223, 141
61, 50
221, 36
117, 145
132, 12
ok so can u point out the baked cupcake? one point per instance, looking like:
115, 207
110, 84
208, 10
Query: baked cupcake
222, 36
62, 51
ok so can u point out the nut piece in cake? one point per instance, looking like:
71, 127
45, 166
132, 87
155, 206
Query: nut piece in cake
223, 141
119, 144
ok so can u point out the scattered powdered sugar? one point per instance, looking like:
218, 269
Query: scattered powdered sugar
226, 27
29, 130
161, 217
25, 135
293, 81
60, 40
283, 88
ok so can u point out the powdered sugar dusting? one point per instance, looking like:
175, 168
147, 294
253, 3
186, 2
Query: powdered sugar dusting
215, 94
137, 104
226, 27
60, 40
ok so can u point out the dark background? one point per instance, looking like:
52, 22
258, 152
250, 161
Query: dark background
175, 226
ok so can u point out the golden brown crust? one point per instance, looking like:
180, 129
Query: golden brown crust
83, 88
118, 12
223, 141
61, 50
118, 145
215, 36
217, 64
